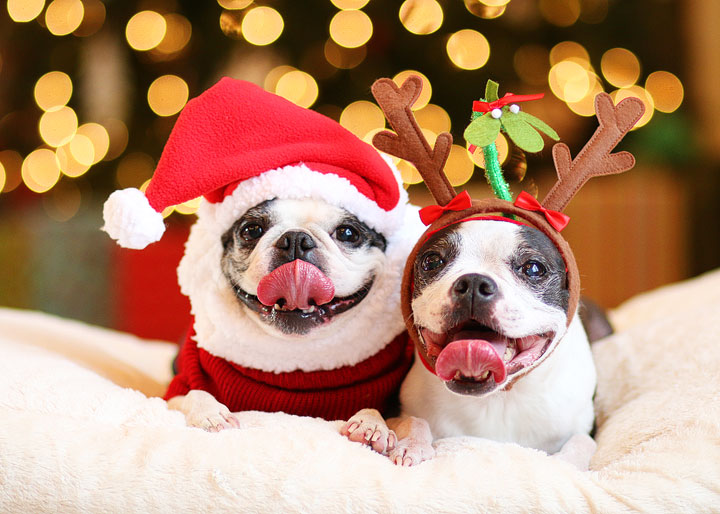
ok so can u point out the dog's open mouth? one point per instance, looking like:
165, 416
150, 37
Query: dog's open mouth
297, 297
474, 359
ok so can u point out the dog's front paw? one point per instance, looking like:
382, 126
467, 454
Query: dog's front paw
217, 421
410, 452
202, 410
368, 427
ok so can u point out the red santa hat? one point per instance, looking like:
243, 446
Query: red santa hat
238, 145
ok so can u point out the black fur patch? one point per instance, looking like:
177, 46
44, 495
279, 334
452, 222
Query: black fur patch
446, 243
368, 237
551, 287
236, 250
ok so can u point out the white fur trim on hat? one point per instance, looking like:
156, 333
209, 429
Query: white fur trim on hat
130, 220
297, 181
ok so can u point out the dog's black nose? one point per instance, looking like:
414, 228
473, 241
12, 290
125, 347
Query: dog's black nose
297, 245
474, 287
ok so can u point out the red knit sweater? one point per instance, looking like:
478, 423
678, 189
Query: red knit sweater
332, 394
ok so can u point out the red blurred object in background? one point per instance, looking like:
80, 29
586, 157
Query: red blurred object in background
147, 299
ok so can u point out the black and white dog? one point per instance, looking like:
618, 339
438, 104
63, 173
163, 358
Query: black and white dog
491, 305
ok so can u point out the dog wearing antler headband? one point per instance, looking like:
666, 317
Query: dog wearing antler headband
490, 294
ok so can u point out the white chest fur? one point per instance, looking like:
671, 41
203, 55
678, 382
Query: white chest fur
542, 410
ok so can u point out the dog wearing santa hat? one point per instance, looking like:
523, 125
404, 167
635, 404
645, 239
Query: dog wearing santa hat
293, 267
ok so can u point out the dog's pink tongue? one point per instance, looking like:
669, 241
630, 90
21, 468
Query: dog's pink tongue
298, 283
472, 358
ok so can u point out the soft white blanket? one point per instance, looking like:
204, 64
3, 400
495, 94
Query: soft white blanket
79, 432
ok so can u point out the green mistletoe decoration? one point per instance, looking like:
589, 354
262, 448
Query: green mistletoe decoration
492, 115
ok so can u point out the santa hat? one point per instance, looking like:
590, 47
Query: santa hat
238, 145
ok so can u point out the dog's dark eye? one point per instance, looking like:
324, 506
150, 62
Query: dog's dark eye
251, 231
533, 269
347, 234
432, 261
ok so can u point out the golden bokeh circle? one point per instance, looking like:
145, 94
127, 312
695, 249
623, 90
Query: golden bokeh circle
167, 95
2, 177
99, 137
262, 25
93, 18
145, 30
620, 67
119, 137
349, 4
53, 90
408, 173
638, 92
459, 166
468, 49
22, 11
12, 162
69, 165
502, 146
189, 207
64, 16
586, 105
57, 127
298, 87
433, 117
570, 50
421, 16
362, 117
426, 92
666, 90
569, 81
271, 79
177, 34
233, 5
40, 170
82, 149
351, 28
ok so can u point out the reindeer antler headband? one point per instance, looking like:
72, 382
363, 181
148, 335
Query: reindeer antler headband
594, 159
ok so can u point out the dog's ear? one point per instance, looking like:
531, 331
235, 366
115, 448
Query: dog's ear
595, 158
408, 141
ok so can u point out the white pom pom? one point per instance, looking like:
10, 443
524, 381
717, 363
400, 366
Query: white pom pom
130, 220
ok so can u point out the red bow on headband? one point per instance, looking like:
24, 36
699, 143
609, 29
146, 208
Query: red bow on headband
526, 201
431, 213
509, 98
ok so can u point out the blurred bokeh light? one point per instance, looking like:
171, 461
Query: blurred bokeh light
421, 16
351, 28
167, 95
145, 30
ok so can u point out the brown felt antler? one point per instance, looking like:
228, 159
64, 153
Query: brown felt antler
409, 143
595, 158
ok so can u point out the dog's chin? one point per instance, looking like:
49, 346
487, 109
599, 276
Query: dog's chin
301, 322
475, 359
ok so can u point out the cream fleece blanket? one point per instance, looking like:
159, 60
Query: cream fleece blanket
78, 433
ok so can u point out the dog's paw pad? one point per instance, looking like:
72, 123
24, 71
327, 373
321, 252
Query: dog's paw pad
409, 452
370, 431
218, 422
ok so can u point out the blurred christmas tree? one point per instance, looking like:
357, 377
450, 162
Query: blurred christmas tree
90, 89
